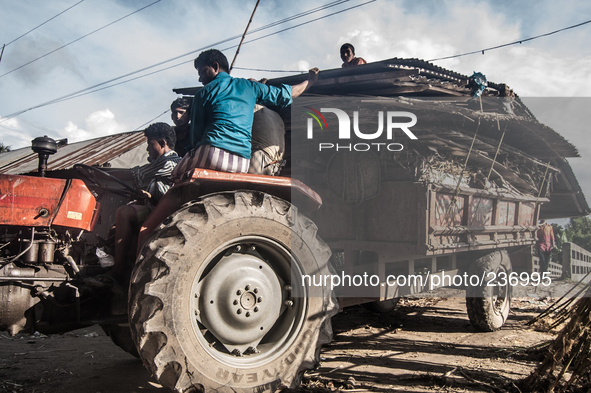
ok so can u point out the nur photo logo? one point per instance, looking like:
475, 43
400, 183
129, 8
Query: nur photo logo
388, 122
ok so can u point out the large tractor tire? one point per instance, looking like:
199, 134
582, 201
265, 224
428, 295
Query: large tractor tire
121, 336
489, 304
218, 298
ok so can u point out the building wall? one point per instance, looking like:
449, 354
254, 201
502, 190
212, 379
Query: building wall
576, 262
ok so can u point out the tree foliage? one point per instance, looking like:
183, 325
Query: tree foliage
578, 231
4, 148
559, 236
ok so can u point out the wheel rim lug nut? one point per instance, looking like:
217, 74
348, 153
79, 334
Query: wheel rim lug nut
260, 299
256, 309
252, 248
288, 303
239, 311
238, 248
248, 314
239, 292
235, 302
247, 287
256, 290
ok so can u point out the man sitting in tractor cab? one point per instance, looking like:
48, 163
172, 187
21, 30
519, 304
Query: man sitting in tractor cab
152, 181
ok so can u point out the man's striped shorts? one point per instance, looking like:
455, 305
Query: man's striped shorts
211, 157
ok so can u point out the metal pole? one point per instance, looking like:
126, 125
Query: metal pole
243, 35
1, 53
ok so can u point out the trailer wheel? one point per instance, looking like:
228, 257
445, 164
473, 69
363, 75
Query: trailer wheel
382, 307
488, 304
121, 336
218, 299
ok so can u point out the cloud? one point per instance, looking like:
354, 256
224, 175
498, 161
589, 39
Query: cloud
97, 124
18, 133
303, 65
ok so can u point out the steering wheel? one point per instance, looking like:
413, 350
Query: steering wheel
93, 174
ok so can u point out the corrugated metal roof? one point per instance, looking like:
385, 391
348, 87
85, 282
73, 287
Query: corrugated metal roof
96, 151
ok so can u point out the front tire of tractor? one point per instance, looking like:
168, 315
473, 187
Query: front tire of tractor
218, 298
488, 304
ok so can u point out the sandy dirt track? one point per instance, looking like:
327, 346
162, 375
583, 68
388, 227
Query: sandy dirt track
426, 345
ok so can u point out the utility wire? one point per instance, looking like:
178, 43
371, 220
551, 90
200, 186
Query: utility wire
149, 121
78, 93
89, 90
80, 38
305, 23
297, 16
50, 19
512, 43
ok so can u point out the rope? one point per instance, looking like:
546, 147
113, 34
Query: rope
496, 154
543, 181
457, 191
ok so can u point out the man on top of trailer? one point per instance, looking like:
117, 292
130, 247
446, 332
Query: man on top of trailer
348, 56
222, 115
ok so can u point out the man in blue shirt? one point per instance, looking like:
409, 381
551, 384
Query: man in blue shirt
222, 114
221, 122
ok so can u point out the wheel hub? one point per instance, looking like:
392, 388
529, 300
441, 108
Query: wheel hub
239, 300
248, 300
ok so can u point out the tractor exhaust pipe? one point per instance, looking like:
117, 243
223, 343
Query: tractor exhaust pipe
44, 147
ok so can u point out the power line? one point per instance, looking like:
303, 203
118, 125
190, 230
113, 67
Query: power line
78, 93
90, 90
50, 19
512, 43
80, 38
305, 23
150, 121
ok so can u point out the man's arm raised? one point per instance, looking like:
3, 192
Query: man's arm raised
297, 90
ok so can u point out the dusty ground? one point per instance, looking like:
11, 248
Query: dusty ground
426, 345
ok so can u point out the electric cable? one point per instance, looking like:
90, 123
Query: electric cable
150, 121
511, 43
89, 90
48, 20
80, 38
305, 23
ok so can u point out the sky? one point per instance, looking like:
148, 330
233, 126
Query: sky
555, 66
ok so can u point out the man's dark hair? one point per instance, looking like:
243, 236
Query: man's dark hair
210, 56
181, 102
345, 46
161, 132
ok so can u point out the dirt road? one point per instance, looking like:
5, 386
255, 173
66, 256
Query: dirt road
427, 344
